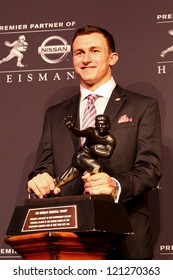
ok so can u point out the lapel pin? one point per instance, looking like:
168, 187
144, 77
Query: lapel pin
117, 99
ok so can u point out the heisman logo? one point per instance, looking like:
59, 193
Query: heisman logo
17, 48
170, 49
61, 49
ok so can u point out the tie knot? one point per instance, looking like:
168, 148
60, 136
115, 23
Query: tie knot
91, 99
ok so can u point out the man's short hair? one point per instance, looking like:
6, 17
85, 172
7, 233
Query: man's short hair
89, 29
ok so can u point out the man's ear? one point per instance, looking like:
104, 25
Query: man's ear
113, 58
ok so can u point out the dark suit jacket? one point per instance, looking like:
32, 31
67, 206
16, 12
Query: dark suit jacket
136, 162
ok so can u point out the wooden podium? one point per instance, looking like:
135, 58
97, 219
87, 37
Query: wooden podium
63, 245
88, 229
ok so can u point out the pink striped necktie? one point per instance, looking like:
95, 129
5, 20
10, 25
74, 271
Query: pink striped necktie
89, 113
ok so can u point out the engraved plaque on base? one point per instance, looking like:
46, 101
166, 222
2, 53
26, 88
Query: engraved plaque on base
50, 218
76, 213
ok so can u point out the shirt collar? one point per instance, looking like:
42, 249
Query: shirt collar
104, 90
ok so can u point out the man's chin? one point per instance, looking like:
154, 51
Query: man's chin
87, 83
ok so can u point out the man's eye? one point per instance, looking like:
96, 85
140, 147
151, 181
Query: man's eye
79, 53
95, 51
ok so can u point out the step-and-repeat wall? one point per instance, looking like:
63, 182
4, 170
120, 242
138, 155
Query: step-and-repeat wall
36, 64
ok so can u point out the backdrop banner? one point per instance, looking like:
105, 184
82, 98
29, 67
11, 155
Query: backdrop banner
36, 66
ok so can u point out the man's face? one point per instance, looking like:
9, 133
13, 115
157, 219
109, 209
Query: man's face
92, 60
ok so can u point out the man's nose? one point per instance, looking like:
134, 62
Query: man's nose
87, 57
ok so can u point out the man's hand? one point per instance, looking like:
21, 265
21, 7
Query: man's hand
99, 183
42, 184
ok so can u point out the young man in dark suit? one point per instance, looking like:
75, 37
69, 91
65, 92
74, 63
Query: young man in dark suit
135, 166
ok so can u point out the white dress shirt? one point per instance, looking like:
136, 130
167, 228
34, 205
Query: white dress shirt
104, 91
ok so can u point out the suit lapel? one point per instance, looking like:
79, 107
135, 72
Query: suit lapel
115, 103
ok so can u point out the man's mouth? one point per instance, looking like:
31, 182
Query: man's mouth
87, 67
